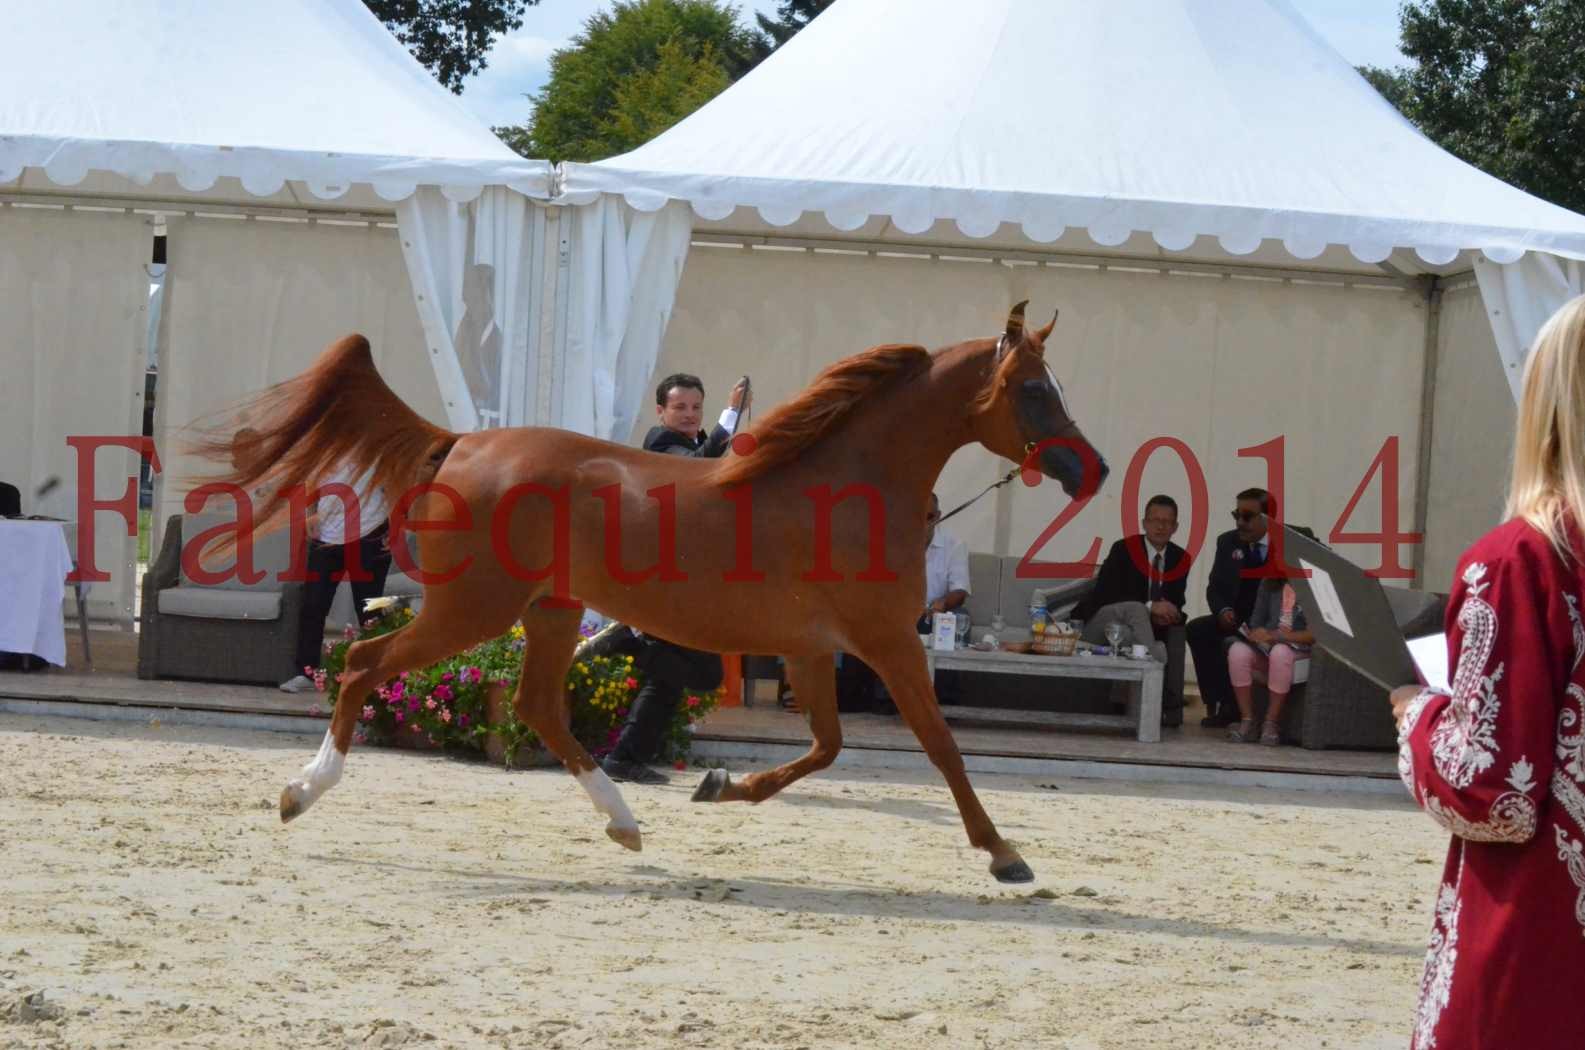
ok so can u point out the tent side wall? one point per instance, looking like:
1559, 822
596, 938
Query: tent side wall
1472, 441
73, 326
252, 303
1220, 363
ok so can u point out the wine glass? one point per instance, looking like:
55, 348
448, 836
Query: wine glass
1114, 637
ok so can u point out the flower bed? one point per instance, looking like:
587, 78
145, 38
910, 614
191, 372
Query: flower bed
464, 702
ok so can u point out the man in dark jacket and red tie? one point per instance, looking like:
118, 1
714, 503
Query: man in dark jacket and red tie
1133, 587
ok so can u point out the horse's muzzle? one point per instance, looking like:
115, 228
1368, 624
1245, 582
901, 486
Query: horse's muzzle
1068, 467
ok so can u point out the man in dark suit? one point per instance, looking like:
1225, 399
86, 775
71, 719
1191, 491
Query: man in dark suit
1133, 587
667, 669
1230, 595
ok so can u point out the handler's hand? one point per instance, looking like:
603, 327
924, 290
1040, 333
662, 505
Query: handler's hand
1227, 621
1401, 698
1263, 636
1163, 613
741, 397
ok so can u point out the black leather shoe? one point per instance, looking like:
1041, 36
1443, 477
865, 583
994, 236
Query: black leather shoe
631, 772
1219, 719
1171, 717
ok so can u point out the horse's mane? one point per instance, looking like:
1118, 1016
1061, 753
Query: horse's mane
828, 401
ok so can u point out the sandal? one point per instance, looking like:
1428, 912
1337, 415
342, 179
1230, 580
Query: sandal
1270, 734
1243, 731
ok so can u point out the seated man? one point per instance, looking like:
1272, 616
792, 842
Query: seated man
1132, 589
1230, 595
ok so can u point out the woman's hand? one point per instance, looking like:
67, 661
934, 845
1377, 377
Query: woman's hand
1401, 698
741, 397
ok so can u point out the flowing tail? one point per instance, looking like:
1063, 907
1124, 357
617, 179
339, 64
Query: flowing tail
338, 414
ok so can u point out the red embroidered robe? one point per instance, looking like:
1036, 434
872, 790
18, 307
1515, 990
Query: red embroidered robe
1501, 764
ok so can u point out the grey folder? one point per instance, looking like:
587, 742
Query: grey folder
1349, 612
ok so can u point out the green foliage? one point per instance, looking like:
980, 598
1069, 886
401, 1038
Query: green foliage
630, 74
450, 37
447, 704
1500, 84
791, 16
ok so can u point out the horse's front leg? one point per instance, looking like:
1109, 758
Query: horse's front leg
814, 680
901, 665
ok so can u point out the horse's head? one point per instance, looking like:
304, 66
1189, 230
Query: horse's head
1022, 409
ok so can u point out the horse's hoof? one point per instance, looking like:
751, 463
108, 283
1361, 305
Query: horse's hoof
632, 838
1015, 871
293, 802
710, 788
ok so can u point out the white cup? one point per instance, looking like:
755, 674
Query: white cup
1140, 652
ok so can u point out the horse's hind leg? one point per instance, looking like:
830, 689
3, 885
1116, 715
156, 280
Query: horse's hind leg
433, 635
813, 680
902, 667
551, 634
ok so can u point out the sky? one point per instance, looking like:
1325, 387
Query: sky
1364, 31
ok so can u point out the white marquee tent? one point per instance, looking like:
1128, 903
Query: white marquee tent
1084, 151
1245, 240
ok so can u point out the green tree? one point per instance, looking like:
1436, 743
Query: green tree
630, 74
791, 16
450, 37
1500, 84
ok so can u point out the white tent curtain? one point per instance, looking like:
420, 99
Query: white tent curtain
248, 304
1519, 297
476, 269
625, 267
73, 305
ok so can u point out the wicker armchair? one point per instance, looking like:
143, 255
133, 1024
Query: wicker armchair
1338, 706
232, 632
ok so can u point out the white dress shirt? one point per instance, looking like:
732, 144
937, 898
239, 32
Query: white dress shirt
946, 566
372, 511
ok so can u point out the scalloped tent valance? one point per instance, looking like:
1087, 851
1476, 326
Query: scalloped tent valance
1175, 118
315, 92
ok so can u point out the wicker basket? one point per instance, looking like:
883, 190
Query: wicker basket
1057, 644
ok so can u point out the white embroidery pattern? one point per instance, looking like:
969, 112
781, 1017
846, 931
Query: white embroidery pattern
1513, 815
1441, 955
1411, 717
1464, 741
1572, 853
1570, 797
1579, 629
1571, 734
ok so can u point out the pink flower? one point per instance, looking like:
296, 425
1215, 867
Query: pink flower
679, 764
368, 713
398, 690
315, 710
448, 676
631, 683
351, 633
693, 701
462, 720
398, 715
475, 675
430, 703
445, 716
359, 736
621, 712
417, 728
444, 691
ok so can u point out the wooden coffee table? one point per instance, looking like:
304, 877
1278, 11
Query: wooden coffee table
1144, 704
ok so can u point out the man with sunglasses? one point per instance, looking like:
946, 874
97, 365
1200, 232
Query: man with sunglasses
1230, 596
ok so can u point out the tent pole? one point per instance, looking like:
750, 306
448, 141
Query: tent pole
1422, 475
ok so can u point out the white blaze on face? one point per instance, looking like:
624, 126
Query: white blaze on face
606, 798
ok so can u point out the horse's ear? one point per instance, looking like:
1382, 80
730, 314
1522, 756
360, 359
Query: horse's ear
1045, 333
1015, 324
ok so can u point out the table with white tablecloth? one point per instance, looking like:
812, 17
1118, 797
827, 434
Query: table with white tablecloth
34, 563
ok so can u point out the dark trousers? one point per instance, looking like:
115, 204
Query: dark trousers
327, 567
667, 670
1210, 662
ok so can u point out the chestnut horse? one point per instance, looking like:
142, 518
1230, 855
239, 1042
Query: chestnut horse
807, 540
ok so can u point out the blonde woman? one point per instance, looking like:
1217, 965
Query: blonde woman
1501, 762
